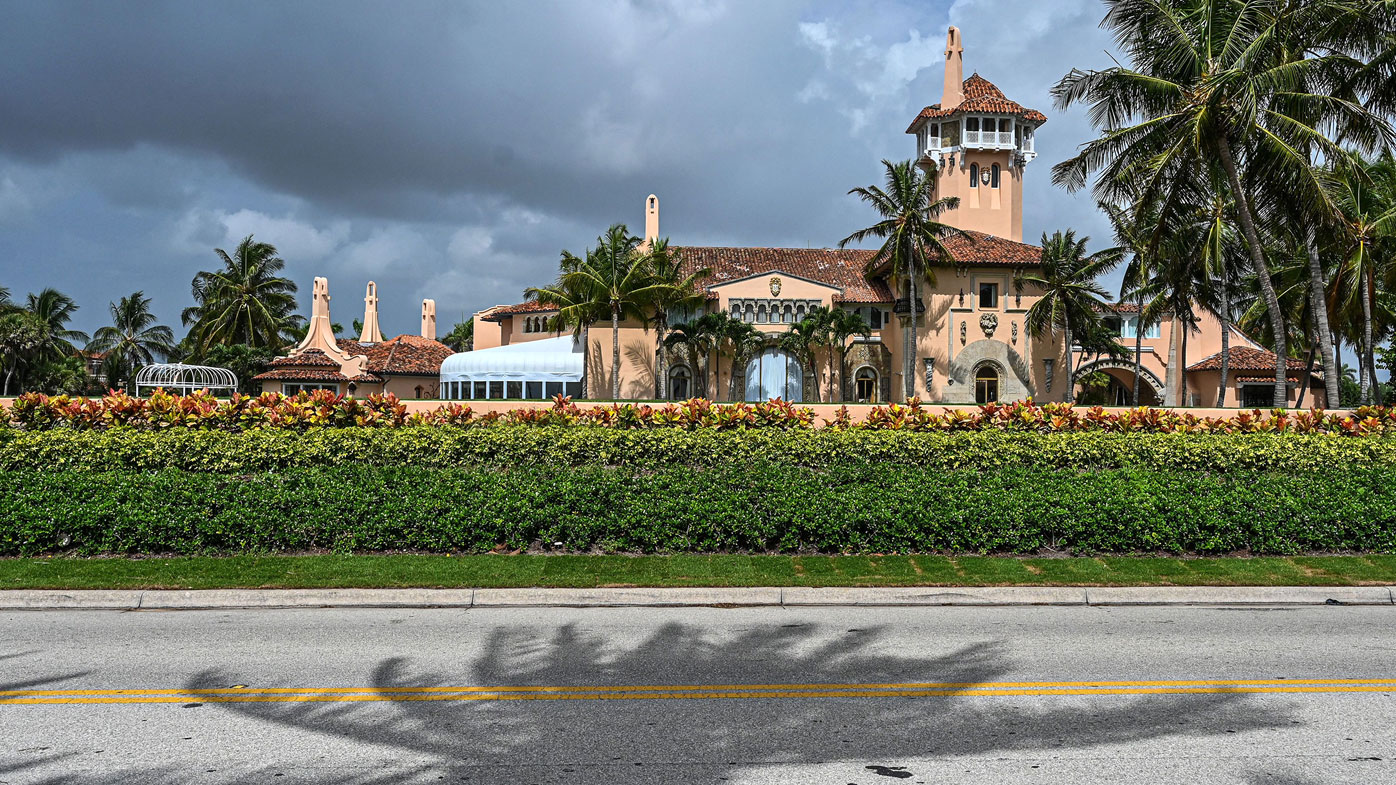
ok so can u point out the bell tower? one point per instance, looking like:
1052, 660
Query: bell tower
978, 144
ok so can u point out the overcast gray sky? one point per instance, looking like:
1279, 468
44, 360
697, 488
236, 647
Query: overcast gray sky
451, 150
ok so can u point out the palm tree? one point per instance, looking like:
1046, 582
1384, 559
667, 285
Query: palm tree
1244, 86
912, 238
461, 338
741, 340
55, 309
697, 339
802, 340
1366, 199
615, 276
676, 290
245, 302
133, 339
577, 311
1070, 300
842, 324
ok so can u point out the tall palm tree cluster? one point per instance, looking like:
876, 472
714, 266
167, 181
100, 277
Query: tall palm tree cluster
622, 278
713, 336
1244, 160
243, 314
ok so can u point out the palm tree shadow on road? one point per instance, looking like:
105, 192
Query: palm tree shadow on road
700, 740
625, 741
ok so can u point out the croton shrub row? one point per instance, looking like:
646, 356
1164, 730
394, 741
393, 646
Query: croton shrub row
761, 507
560, 446
324, 409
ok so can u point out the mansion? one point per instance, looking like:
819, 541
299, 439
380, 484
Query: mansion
972, 344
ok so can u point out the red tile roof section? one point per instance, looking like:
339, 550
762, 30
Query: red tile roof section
841, 268
500, 312
310, 358
1244, 358
314, 375
412, 355
981, 96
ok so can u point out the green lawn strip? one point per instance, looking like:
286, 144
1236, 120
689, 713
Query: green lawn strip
589, 571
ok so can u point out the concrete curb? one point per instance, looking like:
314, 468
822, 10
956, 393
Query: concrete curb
1196, 596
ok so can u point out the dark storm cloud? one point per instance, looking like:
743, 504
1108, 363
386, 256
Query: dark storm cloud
451, 149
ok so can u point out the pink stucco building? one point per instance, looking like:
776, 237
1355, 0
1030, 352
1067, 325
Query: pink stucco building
972, 345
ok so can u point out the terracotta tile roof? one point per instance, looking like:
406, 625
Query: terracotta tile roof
310, 358
981, 96
839, 268
314, 375
1271, 379
412, 355
1244, 358
842, 268
500, 312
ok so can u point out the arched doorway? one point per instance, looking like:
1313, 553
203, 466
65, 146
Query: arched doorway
774, 373
865, 385
680, 383
986, 384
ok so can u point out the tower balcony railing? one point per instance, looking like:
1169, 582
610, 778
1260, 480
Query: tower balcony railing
993, 140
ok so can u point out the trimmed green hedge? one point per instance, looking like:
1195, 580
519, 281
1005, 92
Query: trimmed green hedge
559, 446
760, 507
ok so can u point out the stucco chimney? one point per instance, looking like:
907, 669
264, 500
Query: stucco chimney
429, 319
954, 93
319, 334
651, 219
370, 332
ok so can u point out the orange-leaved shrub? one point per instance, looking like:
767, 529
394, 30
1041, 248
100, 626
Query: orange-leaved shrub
325, 409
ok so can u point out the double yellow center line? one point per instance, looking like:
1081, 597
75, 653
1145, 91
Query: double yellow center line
251, 694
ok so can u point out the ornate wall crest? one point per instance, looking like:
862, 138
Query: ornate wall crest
1015, 333
1047, 364
775, 286
989, 322
964, 332
930, 373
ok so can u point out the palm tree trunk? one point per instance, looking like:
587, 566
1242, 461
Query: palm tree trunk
586, 363
1319, 304
915, 335
1371, 361
615, 353
1170, 375
843, 374
1070, 384
1138, 352
1226, 343
1183, 369
1262, 269
661, 362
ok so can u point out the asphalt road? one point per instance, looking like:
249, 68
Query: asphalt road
701, 695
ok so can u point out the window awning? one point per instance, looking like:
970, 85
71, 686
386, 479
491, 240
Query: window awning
550, 359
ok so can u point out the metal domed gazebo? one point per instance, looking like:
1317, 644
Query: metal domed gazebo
184, 379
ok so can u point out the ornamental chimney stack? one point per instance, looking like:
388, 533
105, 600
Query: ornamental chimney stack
954, 92
370, 332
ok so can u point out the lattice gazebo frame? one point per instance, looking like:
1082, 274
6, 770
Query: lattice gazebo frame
185, 379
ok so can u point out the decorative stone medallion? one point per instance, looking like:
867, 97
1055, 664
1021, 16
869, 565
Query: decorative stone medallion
988, 323
775, 286
1015, 333
930, 373
964, 332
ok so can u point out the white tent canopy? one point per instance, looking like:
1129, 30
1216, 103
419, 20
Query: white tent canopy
532, 369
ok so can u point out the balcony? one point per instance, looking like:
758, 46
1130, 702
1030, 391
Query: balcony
989, 140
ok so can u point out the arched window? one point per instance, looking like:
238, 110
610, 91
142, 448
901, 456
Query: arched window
761, 313
736, 309
974, 175
749, 313
421, 392
994, 176
788, 313
865, 385
680, 383
986, 384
